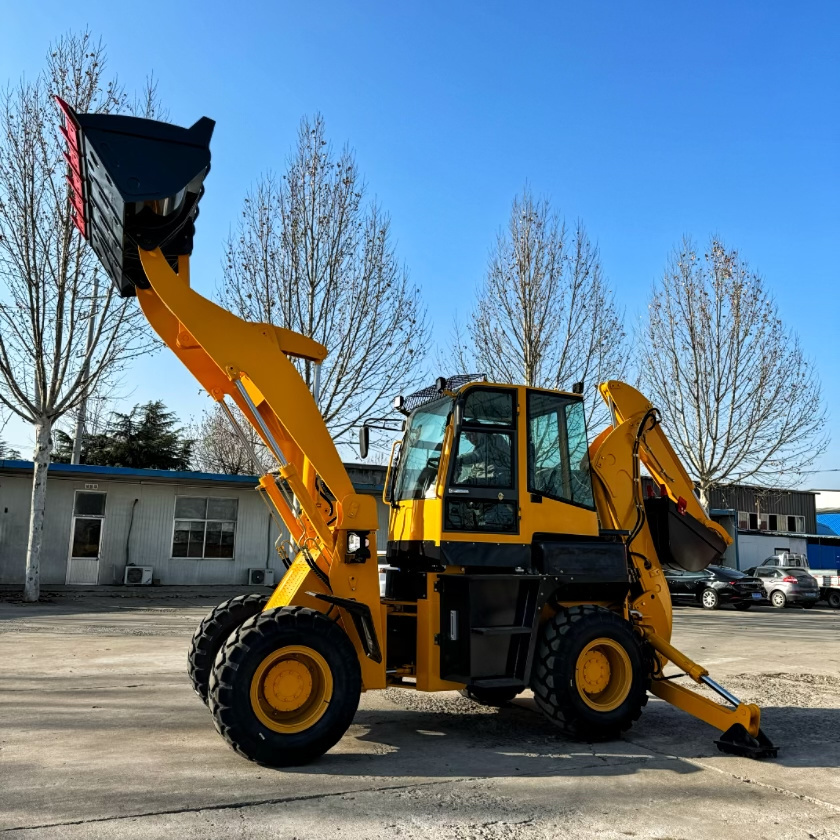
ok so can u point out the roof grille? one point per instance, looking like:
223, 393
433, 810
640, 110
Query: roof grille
427, 395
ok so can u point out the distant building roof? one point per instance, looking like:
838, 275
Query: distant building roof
366, 478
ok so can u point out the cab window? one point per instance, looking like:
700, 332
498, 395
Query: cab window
484, 456
420, 458
558, 456
484, 459
488, 408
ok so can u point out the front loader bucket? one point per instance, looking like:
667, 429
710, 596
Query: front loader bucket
135, 183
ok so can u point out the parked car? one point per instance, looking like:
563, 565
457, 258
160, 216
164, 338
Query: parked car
714, 586
785, 586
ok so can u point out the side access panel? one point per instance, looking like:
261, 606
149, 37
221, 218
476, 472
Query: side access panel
584, 568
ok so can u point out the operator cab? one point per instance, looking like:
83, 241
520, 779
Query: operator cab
495, 463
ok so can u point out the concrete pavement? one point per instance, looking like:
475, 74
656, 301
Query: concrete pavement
101, 736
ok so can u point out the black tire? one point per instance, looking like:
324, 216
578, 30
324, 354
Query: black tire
213, 632
778, 599
563, 638
490, 696
237, 663
709, 599
743, 606
834, 600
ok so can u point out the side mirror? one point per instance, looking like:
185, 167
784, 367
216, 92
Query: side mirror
364, 441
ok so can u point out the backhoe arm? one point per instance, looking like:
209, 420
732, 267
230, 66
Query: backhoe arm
684, 532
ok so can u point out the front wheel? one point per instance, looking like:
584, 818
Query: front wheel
591, 675
778, 599
213, 632
285, 687
834, 600
710, 599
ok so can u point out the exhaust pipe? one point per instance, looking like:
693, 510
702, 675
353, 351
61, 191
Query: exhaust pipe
135, 183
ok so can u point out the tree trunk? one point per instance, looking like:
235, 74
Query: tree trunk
41, 459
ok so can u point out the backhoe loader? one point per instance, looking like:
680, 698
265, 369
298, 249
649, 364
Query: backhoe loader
520, 556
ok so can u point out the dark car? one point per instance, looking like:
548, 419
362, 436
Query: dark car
714, 586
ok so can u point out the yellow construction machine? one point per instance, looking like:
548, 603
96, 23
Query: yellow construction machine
519, 556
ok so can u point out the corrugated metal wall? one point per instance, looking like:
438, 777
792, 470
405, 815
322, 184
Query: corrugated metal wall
751, 500
753, 549
150, 540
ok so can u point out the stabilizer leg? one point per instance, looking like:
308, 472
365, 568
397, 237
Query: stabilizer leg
741, 724
737, 741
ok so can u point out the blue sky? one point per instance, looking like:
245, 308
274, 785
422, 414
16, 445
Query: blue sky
646, 120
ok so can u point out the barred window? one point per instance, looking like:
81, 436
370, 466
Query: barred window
204, 527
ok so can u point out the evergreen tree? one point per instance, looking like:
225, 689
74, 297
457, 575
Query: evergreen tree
146, 438
7, 453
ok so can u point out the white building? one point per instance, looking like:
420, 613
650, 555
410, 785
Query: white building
190, 528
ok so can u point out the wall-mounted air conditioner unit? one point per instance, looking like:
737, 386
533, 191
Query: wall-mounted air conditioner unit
260, 577
138, 575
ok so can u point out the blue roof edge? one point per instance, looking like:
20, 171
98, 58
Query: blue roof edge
130, 472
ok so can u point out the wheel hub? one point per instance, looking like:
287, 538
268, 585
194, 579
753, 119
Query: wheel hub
603, 674
291, 689
595, 672
287, 685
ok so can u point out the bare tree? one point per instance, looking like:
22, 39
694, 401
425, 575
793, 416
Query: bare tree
545, 315
310, 255
741, 400
62, 333
219, 449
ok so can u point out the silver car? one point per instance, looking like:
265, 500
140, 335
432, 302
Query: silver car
785, 586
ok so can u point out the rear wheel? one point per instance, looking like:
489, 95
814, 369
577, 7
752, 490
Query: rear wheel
834, 600
743, 606
778, 599
591, 674
213, 632
285, 687
490, 696
710, 599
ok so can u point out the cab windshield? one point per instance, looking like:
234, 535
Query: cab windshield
421, 450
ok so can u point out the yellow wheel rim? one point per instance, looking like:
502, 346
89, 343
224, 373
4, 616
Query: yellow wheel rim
291, 689
603, 675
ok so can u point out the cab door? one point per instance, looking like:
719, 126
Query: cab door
481, 494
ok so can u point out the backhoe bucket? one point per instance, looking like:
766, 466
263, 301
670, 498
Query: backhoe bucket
679, 538
135, 183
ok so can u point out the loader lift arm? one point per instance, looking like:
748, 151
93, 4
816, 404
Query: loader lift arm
135, 188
